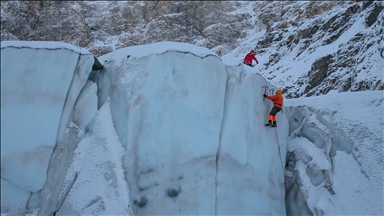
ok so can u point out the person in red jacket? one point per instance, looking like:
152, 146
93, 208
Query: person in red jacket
277, 106
249, 58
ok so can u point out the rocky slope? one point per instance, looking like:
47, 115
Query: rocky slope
103, 27
275, 29
348, 58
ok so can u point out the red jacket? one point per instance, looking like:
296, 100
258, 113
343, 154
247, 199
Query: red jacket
248, 59
277, 100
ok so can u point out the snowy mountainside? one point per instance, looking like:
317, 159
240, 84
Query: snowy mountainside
304, 47
309, 54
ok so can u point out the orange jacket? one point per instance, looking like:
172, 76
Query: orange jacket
277, 100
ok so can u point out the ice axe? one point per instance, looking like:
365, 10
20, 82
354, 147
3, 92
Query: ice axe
265, 91
271, 91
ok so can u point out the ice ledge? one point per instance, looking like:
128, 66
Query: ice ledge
160, 48
48, 45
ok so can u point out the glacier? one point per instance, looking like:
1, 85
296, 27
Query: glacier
177, 105
165, 128
171, 128
39, 87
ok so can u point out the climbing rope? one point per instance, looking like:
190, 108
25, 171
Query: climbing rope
277, 139
278, 145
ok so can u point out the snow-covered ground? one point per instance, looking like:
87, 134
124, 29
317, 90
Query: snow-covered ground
98, 169
352, 128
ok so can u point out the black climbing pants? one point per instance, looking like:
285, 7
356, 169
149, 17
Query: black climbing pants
274, 111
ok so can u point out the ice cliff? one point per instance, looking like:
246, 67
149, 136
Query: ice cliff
165, 128
42, 85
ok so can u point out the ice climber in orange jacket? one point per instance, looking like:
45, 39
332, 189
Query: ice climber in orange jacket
277, 106
249, 58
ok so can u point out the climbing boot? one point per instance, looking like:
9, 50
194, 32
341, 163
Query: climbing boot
274, 124
269, 123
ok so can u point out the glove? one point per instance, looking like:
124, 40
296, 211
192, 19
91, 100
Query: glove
264, 95
257, 62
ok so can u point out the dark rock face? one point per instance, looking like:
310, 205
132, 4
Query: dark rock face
373, 15
102, 27
273, 58
319, 70
38, 21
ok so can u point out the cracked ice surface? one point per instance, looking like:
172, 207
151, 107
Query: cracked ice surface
339, 151
191, 145
167, 109
39, 84
167, 128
